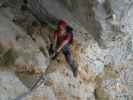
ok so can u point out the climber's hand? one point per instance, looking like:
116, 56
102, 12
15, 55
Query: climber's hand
51, 50
55, 54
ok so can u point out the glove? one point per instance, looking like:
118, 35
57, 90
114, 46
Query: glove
55, 55
51, 50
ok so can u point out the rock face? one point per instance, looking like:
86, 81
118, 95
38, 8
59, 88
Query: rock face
61, 85
102, 49
11, 86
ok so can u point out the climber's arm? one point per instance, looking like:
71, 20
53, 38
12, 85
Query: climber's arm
66, 41
55, 40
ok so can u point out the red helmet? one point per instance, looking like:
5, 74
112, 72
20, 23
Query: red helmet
62, 23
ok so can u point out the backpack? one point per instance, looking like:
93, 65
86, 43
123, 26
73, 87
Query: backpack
69, 31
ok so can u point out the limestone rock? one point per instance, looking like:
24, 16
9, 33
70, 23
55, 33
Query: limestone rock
10, 86
103, 51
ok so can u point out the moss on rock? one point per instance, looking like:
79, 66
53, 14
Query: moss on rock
110, 73
100, 94
9, 57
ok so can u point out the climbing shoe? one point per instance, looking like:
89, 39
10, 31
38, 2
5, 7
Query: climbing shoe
75, 72
74, 68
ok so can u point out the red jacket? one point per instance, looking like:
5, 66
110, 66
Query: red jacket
60, 38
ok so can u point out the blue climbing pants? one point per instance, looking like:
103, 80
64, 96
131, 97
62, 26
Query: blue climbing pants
68, 56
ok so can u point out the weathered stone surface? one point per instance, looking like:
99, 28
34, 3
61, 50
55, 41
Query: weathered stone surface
63, 86
103, 51
10, 85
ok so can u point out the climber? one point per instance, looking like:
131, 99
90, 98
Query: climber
63, 36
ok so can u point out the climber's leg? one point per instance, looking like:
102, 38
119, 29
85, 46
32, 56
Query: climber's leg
68, 56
